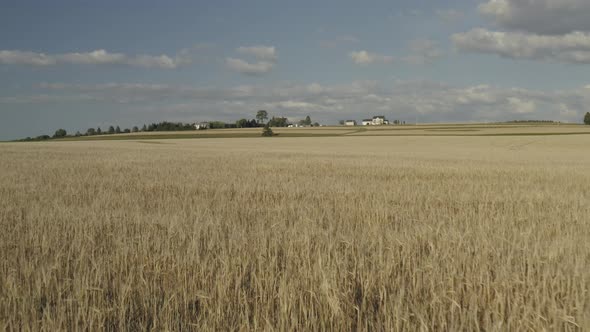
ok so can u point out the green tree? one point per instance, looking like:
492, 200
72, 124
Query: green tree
98, 131
135, 129
278, 122
117, 130
111, 130
91, 132
242, 123
307, 121
60, 133
316, 124
216, 125
341, 122
144, 128
127, 130
587, 118
267, 131
261, 116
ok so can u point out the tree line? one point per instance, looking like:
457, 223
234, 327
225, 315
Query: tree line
257, 122
161, 126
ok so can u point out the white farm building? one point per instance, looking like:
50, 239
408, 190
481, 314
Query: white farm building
378, 120
201, 125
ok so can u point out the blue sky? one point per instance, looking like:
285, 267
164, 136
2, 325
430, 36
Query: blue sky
75, 65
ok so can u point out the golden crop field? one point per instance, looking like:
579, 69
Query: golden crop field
475, 129
381, 233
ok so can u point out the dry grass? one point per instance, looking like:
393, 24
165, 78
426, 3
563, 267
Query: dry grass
339, 233
475, 130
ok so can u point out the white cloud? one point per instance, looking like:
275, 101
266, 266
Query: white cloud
542, 30
521, 106
430, 101
266, 57
97, 57
8, 57
539, 16
265, 53
366, 58
315, 88
479, 94
566, 111
241, 66
571, 48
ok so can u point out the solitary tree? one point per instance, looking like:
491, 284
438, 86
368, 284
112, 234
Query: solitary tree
111, 130
261, 116
117, 130
98, 131
307, 121
90, 132
60, 133
341, 122
135, 129
267, 131
587, 118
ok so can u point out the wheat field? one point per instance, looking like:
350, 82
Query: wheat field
321, 233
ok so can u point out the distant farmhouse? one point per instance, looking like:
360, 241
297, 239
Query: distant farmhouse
201, 125
350, 123
378, 120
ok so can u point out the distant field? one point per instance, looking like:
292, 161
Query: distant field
407, 130
381, 233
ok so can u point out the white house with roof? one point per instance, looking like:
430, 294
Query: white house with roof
378, 120
350, 123
201, 125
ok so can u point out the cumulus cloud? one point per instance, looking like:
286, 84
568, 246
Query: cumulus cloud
521, 106
366, 58
543, 30
241, 66
571, 48
266, 53
26, 58
97, 57
266, 57
429, 101
539, 16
